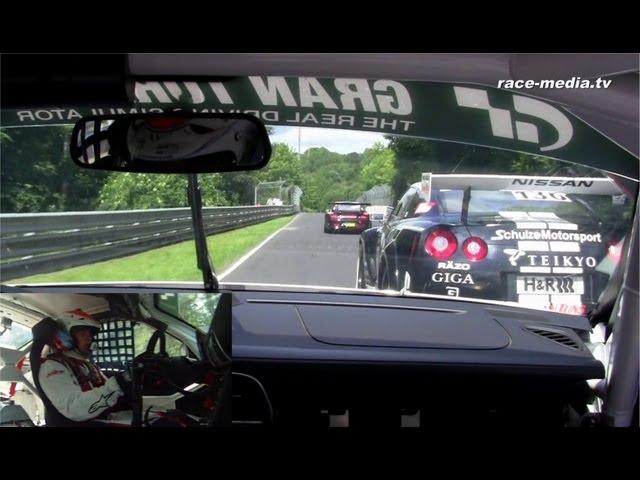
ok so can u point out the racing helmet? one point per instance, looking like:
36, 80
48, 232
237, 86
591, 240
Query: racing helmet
70, 320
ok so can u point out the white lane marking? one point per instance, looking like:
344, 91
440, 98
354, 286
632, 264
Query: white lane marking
564, 246
535, 269
532, 246
250, 253
567, 270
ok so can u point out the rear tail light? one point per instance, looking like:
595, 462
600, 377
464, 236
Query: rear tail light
334, 217
475, 249
441, 244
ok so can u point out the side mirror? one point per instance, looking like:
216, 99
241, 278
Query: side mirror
171, 143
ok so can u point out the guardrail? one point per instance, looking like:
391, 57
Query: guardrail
33, 243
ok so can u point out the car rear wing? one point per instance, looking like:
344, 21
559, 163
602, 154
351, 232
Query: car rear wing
520, 185
567, 185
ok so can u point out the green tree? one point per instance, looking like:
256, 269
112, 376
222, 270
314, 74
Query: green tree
378, 166
38, 174
283, 165
143, 190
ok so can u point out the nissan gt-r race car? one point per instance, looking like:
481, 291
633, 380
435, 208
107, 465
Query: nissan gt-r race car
347, 217
537, 241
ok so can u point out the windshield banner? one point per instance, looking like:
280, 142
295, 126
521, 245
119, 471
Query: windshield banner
469, 114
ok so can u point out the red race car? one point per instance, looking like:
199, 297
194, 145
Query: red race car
347, 217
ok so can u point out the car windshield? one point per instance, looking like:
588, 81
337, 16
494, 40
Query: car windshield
553, 240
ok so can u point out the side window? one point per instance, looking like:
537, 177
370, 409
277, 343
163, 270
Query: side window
412, 204
396, 210
142, 333
401, 209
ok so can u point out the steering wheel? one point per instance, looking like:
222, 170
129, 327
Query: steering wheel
149, 370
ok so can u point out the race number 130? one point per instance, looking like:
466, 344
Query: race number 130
545, 196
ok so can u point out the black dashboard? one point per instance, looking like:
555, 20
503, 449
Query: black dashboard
324, 352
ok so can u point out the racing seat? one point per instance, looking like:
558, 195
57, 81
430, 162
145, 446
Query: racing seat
43, 333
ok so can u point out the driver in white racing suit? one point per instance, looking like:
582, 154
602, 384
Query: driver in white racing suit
74, 384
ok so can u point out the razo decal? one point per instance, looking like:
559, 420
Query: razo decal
502, 125
458, 278
453, 266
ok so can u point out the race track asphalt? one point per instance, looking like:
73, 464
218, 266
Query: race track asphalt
302, 254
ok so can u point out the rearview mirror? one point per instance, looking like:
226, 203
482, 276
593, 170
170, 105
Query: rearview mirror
178, 142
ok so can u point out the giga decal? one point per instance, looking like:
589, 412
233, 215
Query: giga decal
457, 278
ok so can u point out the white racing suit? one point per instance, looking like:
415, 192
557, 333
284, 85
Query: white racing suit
76, 387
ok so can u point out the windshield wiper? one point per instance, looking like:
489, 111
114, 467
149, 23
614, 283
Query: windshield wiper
202, 251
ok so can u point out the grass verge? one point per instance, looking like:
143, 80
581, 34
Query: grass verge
175, 262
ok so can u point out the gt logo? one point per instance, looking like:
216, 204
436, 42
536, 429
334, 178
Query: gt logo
501, 121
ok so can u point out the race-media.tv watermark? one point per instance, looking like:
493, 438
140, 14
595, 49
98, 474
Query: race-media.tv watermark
573, 82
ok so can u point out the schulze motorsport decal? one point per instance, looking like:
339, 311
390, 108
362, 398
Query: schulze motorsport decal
547, 235
441, 111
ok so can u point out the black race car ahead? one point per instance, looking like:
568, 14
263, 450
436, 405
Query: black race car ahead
347, 217
521, 239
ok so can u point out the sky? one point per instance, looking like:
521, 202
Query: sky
340, 141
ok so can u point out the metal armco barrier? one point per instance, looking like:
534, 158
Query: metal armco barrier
35, 243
